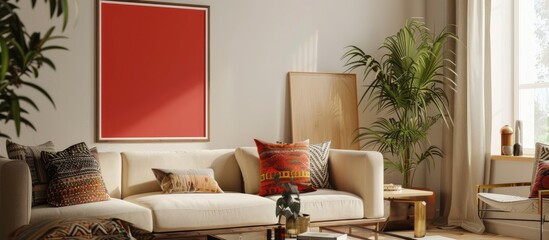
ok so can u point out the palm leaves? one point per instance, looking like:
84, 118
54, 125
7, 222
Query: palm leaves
21, 57
408, 86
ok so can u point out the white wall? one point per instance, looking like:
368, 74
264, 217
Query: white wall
253, 44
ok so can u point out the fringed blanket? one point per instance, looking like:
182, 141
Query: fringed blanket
81, 228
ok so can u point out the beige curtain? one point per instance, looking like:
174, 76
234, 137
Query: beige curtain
467, 145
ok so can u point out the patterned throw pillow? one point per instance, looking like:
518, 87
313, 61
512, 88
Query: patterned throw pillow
186, 180
541, 154
75, 177
31, 155
541, 181
318, 153
290, 160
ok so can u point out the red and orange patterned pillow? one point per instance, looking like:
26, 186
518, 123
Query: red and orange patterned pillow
541, 181
290, 160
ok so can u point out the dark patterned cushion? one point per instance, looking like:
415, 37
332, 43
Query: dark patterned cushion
75, 177
541, 154
186, 180
288, 160
31, 155
318, 154
541, 181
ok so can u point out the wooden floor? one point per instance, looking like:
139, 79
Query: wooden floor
433, 233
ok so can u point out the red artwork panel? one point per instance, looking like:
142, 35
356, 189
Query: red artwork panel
153, 71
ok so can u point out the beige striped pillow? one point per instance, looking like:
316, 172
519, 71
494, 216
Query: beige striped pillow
32, 156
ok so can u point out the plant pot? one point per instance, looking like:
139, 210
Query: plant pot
297, 226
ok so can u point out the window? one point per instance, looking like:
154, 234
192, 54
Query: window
532, 70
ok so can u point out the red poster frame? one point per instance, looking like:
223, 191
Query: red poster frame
152, 71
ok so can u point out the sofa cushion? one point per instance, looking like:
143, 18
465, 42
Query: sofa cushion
288, 160
111, 170
541, 181
541, 154
318, 154
114, 208
186, 180
248, 161
328, 205
75, 177
137, 176
193, 211
32, 156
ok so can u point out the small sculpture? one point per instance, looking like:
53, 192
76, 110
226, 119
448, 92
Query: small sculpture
517, 148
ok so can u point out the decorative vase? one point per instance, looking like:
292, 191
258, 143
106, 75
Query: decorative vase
297, 226
506, 139
291, 227
517, 148
303, 223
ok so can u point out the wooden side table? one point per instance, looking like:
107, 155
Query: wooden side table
404, 195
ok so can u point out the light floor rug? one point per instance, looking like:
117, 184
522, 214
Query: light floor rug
432, 234
436, 238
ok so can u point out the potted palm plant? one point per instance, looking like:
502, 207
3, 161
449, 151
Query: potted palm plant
408, 90
21, 57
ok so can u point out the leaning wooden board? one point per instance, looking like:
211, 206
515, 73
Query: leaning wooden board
324, 107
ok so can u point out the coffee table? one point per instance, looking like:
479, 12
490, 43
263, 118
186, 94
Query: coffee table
404, 195
256, 235
260, 233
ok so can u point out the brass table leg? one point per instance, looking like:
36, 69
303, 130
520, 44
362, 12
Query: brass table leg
420, 227
420, 215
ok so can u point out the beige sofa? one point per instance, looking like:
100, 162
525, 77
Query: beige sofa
357, 177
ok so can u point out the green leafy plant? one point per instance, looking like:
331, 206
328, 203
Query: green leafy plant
21, 58
409, 91
287, 205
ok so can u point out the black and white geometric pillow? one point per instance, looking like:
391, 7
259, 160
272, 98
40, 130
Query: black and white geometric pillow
544, 152
318, 155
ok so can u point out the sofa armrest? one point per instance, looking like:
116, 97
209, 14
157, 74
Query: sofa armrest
360, 173
15, 196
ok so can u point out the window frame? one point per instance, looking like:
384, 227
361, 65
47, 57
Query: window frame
517, 87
